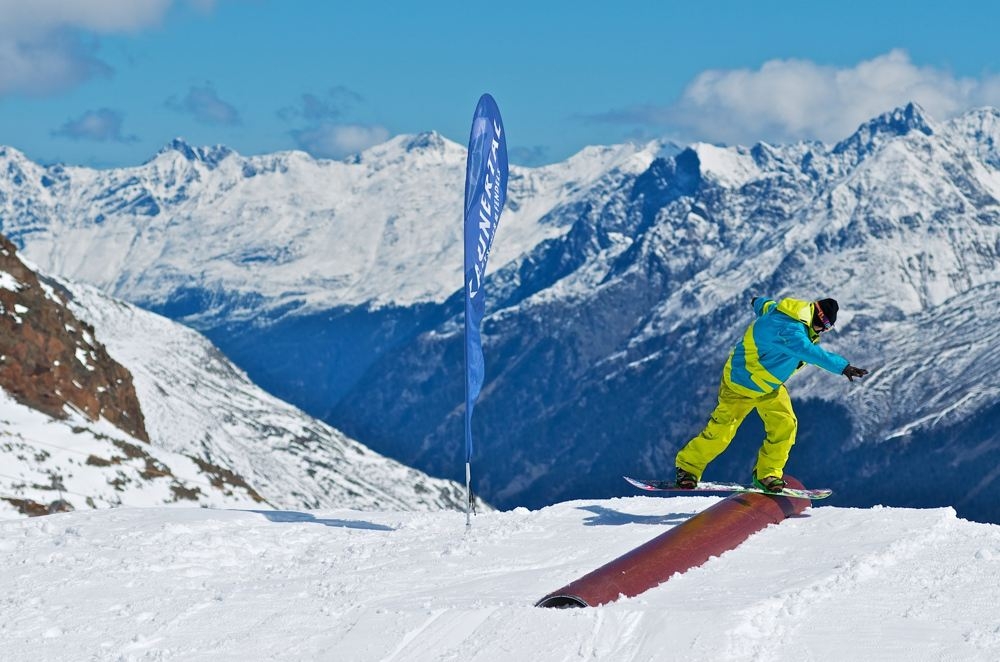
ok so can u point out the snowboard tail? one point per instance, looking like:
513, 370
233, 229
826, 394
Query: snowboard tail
670, 486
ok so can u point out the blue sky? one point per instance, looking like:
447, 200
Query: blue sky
109, 82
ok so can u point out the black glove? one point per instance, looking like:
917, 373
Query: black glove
752, 301
851, 372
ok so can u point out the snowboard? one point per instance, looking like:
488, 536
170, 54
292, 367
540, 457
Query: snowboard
669, 486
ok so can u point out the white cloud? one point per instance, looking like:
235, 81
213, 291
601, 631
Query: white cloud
798, 99
38, 17
102, 125
47, 45
47, 64
336, 141
206, 106
330, 105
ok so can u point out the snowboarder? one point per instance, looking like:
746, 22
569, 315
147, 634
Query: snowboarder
782, 339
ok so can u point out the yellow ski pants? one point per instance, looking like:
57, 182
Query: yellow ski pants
780, 425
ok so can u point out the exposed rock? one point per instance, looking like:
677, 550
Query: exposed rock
34, 509
50, 360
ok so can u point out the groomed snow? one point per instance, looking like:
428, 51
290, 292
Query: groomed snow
201, 584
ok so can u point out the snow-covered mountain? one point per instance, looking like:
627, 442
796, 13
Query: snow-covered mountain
329, 263
247, 236
605, 346
620, 279
211, 436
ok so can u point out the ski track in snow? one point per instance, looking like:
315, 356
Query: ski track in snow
772, 619
201, 584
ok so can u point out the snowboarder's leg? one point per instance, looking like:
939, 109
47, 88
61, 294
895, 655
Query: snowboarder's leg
780, 425
718, 433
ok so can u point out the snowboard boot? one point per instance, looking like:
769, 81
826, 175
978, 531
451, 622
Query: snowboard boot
769, 483
685, 480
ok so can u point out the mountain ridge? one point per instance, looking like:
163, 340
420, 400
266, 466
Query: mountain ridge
178, 197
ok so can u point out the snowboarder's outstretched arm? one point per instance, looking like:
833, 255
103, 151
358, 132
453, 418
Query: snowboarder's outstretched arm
794, 342
800, 347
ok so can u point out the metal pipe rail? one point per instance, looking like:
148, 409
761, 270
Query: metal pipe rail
710, 533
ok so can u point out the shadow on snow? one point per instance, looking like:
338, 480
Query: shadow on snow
608, 517
292, 517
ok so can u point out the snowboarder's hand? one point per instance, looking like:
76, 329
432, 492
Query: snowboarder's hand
851, 372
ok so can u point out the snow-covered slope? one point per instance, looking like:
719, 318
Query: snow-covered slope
205, 432
71, 423
50, 465
196, 402
893, 585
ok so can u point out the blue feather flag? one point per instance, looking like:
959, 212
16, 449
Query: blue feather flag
485, 194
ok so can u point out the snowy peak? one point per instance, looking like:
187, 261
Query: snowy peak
17, 171
421, 147
981, 123
429, 140
675, 178
9, 155
895, 123
979, 133
901, 121
210, 156
728, 166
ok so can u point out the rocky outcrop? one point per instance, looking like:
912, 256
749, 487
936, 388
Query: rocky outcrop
50, 360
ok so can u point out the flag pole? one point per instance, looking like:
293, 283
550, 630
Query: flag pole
468, 418
468, 491
468, 396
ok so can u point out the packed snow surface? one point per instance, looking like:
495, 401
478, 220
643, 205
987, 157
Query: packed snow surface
205, 584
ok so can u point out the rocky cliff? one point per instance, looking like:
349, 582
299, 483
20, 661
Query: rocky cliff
50, 360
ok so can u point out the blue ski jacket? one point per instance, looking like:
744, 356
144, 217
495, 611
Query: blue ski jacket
775, 345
